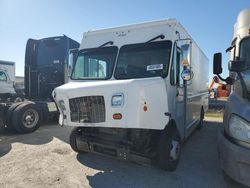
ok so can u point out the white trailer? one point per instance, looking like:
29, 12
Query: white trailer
234, 140
136, 92
7, 78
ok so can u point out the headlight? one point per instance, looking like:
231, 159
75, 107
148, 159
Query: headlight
239, 128
117, 100
61, 105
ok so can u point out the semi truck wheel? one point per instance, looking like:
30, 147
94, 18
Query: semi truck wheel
26, 118
10, 113
72, 140
2, 126
169, 149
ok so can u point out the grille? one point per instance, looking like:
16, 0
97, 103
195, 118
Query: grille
89, 109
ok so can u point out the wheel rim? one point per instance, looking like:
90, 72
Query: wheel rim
30, 118
175, 150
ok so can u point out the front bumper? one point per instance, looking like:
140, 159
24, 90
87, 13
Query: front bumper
234, 160
109, 149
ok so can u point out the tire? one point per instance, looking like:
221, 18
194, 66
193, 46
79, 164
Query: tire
26, 118
169, 149
200, 126
10, 113
2, 126
72, 139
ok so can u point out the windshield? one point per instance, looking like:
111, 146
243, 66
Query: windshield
143, 60
95, 63
245, 51
245, 55
51, 51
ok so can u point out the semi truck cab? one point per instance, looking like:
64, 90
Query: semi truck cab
234, 140
46, 67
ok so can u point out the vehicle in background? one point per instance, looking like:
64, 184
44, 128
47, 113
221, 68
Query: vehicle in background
218, 88
137, 92
234, 140
7, 80
46, 66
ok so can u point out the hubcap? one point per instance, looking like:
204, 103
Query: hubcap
175, 150
30, 118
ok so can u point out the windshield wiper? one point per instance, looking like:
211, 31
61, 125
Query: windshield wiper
159, 36
93, 49
146, 43
105, 44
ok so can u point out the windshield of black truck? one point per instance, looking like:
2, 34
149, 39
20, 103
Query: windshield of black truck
51, 52
245, 51
143, 60
245, 55
95, 63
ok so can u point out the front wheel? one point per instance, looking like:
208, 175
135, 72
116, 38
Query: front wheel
169, 149
72, 139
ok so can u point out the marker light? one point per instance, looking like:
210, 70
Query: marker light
117, 116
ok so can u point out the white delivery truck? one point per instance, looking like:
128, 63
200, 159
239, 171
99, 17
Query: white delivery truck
234, 140
7, 79
137, 92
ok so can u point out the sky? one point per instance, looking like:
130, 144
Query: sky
210, 22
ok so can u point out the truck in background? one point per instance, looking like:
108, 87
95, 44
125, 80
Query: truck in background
136, 93
7, 80
218, 89
46, 67
234, 140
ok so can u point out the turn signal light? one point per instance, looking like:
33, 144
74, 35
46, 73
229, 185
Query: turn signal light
117, 116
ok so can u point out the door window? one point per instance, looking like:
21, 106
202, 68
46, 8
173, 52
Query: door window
176, 68
3, 76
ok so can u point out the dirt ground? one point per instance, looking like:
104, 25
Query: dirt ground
45, 159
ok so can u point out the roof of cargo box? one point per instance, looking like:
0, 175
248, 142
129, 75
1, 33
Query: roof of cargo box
170, 21
130, 34
2, 62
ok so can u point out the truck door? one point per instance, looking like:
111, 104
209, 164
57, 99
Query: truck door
191, 109
177, 98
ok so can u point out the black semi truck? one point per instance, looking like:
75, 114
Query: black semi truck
47, 66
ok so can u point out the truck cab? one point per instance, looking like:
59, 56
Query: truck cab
234, 140
7, 80
136, 92
46, 67
6, 85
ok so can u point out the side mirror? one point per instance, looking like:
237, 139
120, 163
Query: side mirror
237, 66
187, 75
72, 60
185, 47
217, 61
72, 56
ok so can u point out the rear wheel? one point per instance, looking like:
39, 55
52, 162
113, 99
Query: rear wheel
169, 149
2, 126
9, 114
26, 118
